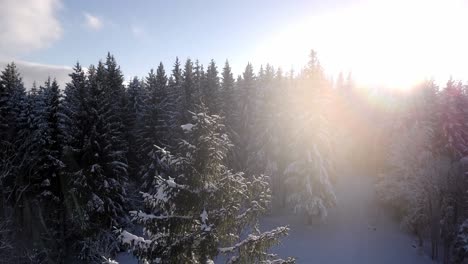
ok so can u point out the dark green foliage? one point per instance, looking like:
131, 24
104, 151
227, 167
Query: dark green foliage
201, 208
95, 157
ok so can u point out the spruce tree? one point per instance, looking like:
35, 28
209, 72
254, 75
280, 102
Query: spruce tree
310, 189
245, 116
12, 105
155, 126
229, 109
12, 99
211, 89
176, 97
188, 89
454, 120
134, 120
114, 90
199, 81
45, 184
97, 167
228, 95
201, 208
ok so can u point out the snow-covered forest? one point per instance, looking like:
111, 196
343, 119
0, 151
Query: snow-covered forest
191, 164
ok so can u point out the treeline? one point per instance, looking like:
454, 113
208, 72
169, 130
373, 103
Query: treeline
424, 177
195, 157
181, 154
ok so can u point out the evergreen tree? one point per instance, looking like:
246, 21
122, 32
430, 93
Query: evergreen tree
155, 127
114, 90
76, 126
74, 123
263, 115
454, 119
12, 99
245, 116
423, 181
228, 96
45, 191
310, 166
97, 167
134, 120
12, 105
199, 77
176, 96
211, 89
204, 208
14, 163
188, 88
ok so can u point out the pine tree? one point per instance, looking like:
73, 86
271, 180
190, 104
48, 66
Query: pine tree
12, 105
156, 117
135, 119
44, 192
263, 115
97, 167
245, 116
267, 154
411, 182
211, 89
188, 89
202, 211
228, 96
114, 90
176, 96
422, 181
310, 166
12, 96
229, 109
14, 132
199, 79
454, 119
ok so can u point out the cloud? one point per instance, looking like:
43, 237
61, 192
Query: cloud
138, 31
31, 72
28, 25
92, 22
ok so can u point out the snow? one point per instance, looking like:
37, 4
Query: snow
46, 182
126, 258
204, 217
171, 183
110, 261
357, 230
187, 127
145, 217
130, 239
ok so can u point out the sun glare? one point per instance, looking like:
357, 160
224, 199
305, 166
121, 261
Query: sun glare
390, 44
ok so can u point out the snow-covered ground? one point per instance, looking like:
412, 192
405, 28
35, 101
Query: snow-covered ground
356, 231
126, 258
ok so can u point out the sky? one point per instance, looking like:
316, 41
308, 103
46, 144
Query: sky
381, 42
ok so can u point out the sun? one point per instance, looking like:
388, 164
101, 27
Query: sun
393, 44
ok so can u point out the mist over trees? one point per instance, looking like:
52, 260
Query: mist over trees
179, 166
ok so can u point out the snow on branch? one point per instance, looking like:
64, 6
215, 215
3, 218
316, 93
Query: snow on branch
131, 240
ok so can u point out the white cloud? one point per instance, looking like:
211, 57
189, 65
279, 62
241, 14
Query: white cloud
28, 25
138, 31
31, 72
92, 22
